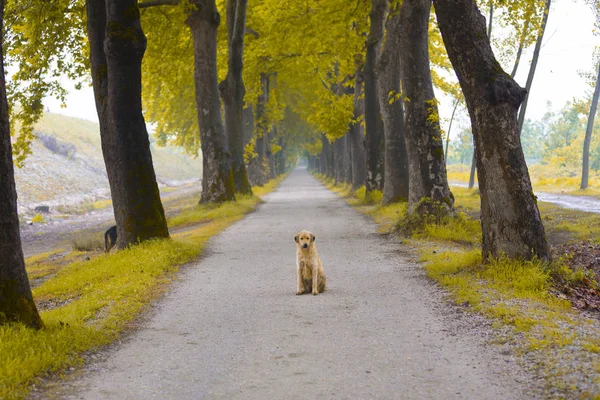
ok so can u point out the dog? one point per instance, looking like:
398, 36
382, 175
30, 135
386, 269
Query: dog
311, 276
110, 238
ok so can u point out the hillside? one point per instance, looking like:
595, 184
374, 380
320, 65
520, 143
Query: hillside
67, 167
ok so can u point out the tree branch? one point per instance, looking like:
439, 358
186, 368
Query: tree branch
152, 3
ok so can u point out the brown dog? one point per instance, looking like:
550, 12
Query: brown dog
310, 268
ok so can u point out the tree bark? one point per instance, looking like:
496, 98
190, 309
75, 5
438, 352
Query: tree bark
258, 165
329, 156
217, 176
338, 154
588, 134
117, 46
232, 93
374, 139
424, 143
474, 161
510, 219
272, 172
396, 179
323, 156
346, 161
534, 61
357, 137
16, 301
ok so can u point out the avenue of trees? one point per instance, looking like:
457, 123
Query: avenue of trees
254, 85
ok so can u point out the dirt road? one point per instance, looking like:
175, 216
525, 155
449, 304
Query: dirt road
233, 328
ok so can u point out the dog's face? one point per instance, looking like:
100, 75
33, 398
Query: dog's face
304, 239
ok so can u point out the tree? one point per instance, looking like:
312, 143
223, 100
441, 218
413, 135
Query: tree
257, 171
428, 189
534, 61
44, 42
395, 187
374, 125
233, 91
16, 301
356, 135
588, 134
510, 219
474, 161
217, 176
117, 46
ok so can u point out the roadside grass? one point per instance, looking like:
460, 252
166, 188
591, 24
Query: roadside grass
88, 241
515, 294
88, 304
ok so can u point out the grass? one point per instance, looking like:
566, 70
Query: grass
88, 242
516, 294
38, 219
88, 304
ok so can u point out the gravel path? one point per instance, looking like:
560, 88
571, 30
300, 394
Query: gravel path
233, 328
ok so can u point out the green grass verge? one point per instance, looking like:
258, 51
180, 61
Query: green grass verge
87, 304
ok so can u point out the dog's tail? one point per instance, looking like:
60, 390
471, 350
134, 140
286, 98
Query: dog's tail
322, 283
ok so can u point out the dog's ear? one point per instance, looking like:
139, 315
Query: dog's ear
313, 237
296, 238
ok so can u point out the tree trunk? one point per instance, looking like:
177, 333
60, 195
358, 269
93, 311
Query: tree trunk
588, 134
472, 174
270, 156
357, 137
232, 92
424, 143
474, 160
249, 125
534, 61
338, 154
323, 156
16, 301
328, 149
217, 176
510, 219
346, 161
117, 46
374, 125
520, 49
395, 180
258, 165
282, 157
449, 130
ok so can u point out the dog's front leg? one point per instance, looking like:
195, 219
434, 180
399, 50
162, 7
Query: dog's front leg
300, 285
315, 278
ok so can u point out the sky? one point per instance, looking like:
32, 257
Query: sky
567, 48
